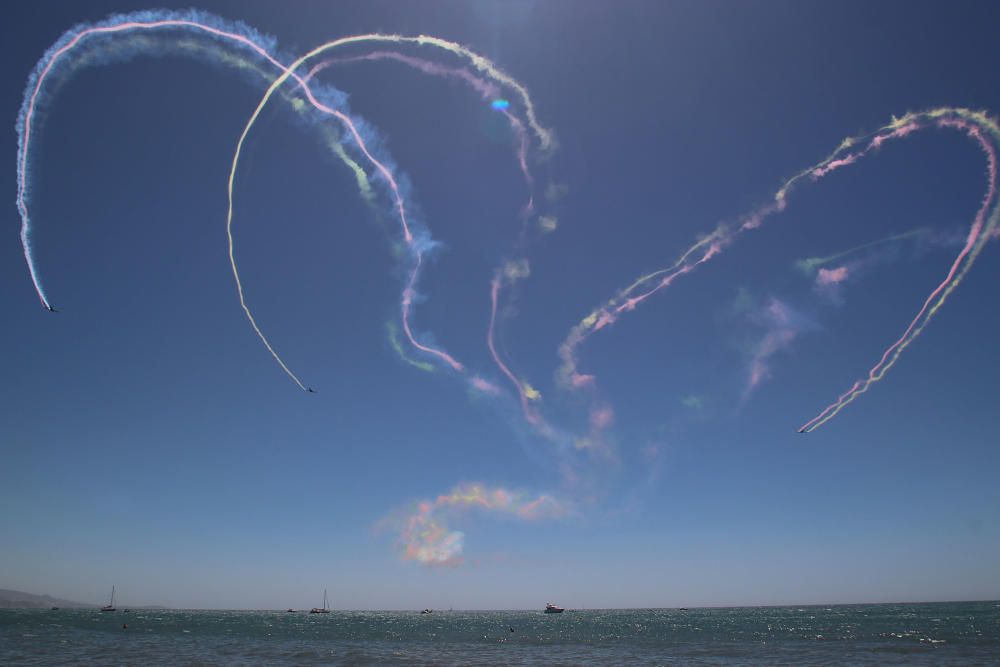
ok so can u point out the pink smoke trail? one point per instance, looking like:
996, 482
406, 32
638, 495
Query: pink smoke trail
409, 291
529, 414
608, 315
820, 172
487, 91
407, 300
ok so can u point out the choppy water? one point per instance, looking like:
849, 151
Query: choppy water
910, 634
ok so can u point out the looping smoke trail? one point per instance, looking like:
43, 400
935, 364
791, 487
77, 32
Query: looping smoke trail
423, 532
983, 229
236, 33
417, 241
246, 38
488, 91
978, 125
525, 392
416, 247
142, 21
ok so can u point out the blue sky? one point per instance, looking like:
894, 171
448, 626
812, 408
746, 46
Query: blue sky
151, 442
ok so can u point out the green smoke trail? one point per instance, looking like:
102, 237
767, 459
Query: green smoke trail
808, 266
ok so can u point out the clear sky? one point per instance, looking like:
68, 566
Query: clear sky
148, 439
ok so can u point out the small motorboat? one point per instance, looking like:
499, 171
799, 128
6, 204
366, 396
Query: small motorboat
427, 611
553, 609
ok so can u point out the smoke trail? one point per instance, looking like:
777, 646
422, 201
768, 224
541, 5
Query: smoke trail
485, 89
545, 136
643, 288
983, 229
423, 531
397, 345
246, 38
330, 137
810, 265
526, 393
416, 247
235, 34
975, 123
488, 91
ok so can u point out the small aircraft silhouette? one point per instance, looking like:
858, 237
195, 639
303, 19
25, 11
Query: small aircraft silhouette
310, 390
51, 309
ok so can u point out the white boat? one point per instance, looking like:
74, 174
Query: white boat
111, 605
553, 609
324, 610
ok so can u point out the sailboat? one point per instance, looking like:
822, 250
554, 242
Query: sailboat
324, 610
111, 605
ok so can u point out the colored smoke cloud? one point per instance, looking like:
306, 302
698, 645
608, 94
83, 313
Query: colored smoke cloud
602, 417
424, 533
831, 276
782, 326
828, 281
693, 402
483, 385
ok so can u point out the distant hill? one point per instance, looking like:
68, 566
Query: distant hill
21, 600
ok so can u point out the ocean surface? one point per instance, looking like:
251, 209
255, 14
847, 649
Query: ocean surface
966, 633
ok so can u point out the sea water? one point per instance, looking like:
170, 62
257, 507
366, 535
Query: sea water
965, 633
